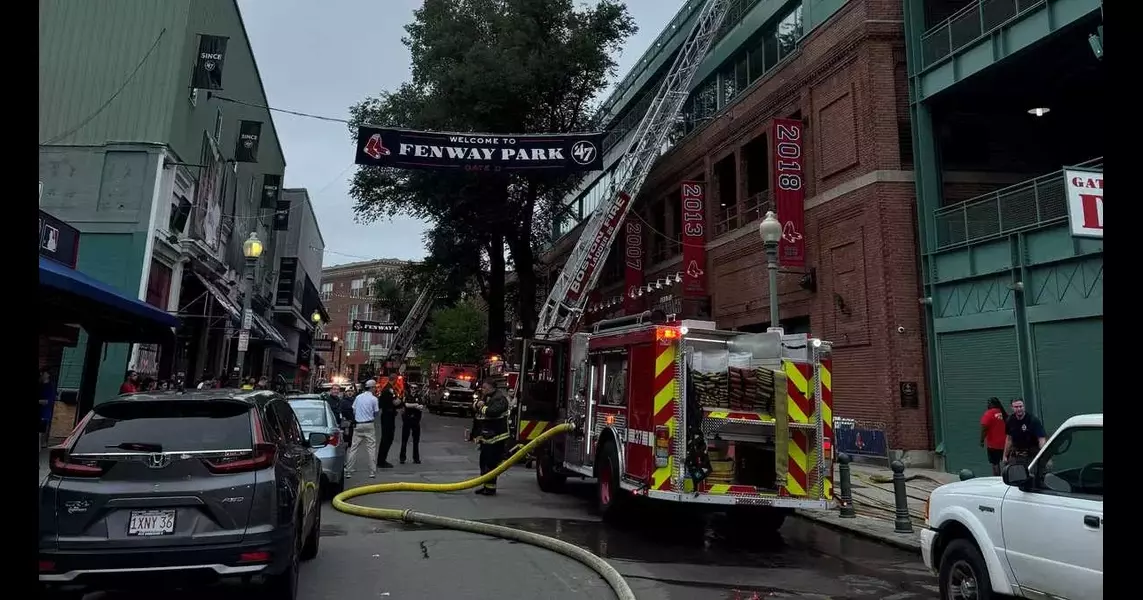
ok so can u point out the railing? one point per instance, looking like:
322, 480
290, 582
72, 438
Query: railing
969, 24
1026, 205
755, 206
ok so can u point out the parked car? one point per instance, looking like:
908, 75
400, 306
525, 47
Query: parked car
317, 416
179, 489
1036, 532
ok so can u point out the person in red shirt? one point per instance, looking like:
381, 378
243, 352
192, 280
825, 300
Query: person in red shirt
131, 384
993, 434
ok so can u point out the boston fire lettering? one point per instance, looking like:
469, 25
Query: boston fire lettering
485, 154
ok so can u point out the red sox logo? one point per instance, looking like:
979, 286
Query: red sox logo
375, 148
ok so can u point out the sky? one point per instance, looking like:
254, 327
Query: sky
321, 58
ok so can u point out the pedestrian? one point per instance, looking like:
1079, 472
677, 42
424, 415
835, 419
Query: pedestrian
411, 411
1026, 435
263, 383
993, 433
130, 383
365, 410
47, 404
387, 397
490, 431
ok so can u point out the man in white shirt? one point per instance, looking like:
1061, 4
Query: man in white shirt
365, 409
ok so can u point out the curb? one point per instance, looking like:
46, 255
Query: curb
888, 541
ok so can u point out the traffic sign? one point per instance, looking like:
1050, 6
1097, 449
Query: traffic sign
243, 340
374, 326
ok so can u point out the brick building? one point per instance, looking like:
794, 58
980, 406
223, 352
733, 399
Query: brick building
840, 68
347, 291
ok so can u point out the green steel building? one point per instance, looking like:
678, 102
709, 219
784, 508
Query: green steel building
143, 165
1006, 98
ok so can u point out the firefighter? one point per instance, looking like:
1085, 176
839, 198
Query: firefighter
490, 430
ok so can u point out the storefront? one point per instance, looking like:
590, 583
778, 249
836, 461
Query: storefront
73, 304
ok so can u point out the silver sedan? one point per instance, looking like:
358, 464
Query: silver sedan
316, 416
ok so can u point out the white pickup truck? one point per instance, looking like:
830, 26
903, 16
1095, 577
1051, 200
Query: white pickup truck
1035, 533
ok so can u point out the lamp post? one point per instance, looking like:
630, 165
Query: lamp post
771, 231
336, 356
251, 249
316, 319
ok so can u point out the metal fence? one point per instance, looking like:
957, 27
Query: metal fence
1026, 205
860, 438
968, 25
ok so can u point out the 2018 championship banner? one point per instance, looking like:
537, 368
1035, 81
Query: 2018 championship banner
405, 149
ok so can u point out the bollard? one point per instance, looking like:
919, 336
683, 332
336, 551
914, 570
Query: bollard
901, 522
846, 497
966, 474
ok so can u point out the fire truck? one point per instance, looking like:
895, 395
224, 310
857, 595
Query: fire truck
669, 409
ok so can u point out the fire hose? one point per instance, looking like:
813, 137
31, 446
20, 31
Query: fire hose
593, 562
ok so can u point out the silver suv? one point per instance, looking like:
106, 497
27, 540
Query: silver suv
181, 489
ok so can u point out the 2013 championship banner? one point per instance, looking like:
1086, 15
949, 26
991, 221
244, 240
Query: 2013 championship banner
405, 149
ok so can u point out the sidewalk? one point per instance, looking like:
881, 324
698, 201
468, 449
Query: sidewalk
875, 505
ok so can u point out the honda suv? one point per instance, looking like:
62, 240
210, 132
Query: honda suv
180, 489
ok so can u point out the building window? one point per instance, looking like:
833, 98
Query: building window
355, 287
159, 285
351, 341
218, 127
353, 312
326, 291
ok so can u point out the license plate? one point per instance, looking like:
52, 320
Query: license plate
151, 522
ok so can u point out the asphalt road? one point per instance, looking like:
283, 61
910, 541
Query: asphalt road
663, 554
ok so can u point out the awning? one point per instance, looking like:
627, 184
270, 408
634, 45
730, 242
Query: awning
69, 296
268, 331
221, 298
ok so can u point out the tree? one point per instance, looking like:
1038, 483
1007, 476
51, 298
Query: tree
456, 334
496, 66
391, 294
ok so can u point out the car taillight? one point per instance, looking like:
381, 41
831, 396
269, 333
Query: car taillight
662, 446
254, 557
261, 457
47, 566
61, 463
335, 438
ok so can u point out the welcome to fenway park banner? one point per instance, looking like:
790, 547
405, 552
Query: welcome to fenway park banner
406, 149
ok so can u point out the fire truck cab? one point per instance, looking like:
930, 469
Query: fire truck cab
682, 412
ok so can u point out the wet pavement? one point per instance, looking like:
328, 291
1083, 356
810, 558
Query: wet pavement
662, 552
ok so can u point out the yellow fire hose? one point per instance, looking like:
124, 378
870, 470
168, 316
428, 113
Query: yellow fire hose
593, 562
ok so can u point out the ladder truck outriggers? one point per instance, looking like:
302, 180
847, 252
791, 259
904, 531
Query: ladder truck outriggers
672, 410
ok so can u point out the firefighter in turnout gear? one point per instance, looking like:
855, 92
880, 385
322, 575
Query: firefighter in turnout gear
490, 430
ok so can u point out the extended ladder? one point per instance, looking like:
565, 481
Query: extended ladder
403, 341
569, 295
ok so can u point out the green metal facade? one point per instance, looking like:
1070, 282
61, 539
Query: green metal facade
102, 141
1015, 303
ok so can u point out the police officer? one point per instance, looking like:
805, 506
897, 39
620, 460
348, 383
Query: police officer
490, 430
411, 408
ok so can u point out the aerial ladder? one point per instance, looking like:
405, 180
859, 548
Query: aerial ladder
414, 321
569, 295
544, 366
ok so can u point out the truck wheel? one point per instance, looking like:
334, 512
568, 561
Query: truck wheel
963, 574
609, 495
548, 478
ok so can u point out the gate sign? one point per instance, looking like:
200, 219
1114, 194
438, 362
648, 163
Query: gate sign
374, 326
406, 149
1085, 202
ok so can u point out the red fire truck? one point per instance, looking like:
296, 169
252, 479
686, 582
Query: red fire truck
682, 412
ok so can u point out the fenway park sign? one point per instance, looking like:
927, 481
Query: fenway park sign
405, 149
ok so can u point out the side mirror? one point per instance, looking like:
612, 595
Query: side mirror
1015, 475
317, 439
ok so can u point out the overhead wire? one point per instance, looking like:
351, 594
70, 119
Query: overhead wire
102, 107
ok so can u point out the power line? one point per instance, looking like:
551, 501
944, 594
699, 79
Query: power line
111, 99
287, 111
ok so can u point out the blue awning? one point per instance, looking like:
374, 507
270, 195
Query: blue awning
59, 278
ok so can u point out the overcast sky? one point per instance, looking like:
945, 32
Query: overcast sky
322, 57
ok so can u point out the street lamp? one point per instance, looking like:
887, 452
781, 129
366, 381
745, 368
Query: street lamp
771, 231
316, 318
252, 250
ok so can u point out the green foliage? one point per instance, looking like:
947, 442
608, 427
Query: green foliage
456, 334
394, 295
495, 66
